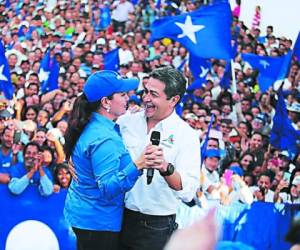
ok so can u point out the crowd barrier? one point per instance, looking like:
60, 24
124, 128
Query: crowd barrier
33, 220
261, 225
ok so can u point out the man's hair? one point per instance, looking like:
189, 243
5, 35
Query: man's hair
31, 144
175, 83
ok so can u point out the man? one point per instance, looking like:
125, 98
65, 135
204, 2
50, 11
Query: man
31, 172
8, 150
149, 217
262, 191
120, 14
211, 180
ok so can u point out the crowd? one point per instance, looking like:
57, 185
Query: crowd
239, 164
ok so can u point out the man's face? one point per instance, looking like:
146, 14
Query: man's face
12, 60
157, 106
30, 156
245, 105
264, 182
211, 163
212, 144
7, 138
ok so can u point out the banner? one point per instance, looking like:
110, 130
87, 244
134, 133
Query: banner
32, 222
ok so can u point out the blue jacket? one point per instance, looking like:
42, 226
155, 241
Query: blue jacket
105, 172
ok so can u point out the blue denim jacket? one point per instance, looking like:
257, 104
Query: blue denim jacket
105, 172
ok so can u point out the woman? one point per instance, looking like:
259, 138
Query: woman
62, 177
95, 203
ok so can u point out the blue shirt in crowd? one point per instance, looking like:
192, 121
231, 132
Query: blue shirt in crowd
105, 172
19, 180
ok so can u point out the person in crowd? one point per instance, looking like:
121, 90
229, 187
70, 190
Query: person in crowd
31, 172
262, 191
177, 177
105, 170
62, 177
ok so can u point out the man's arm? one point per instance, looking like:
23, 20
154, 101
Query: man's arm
18, 185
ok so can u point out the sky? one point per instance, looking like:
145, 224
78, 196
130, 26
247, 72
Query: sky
283, 15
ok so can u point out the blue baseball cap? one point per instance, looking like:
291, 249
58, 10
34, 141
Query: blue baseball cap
105, 83
237, 170
212, 153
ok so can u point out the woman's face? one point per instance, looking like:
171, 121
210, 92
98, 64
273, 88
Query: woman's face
47, 157
118, 104
30, 114
246, 161
64, 177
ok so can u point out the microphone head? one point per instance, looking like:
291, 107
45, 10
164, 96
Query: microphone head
155, 138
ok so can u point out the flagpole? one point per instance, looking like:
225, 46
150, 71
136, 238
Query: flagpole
233, 86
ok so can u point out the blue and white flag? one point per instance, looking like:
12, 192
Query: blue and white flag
270, 68
283, 135
105, 18
199, 67
48, 73
204, 33
111, 60
6, 85
31, 221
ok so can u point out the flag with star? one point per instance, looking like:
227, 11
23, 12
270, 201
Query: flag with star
283, 135
199, 67
6, 85
270, 68
48, 73
204, 33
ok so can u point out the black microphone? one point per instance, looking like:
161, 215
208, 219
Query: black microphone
155, 138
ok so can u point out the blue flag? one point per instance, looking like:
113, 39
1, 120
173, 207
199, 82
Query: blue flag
297, 48
199, 67
158, 4
270, 69
105, 17
204, 145
32, 221
6, 85
283, 135
7, 4
111, 60
134, 2
49, 73
225, 81
204, 33
180, 67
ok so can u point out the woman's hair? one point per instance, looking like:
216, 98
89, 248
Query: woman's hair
79, 117
35, 108
51, 151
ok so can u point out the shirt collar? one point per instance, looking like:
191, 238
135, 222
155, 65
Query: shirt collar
104, 120
168, 122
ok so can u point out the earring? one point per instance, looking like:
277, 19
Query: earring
108, 109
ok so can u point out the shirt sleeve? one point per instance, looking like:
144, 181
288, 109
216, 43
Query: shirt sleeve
114, 171
46, 186
18, 185
187, 163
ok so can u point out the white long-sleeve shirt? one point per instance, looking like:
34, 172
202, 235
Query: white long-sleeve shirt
181, 147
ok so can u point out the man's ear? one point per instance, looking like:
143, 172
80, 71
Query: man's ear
174, 100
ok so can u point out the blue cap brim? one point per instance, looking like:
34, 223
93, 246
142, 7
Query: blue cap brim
128, 84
